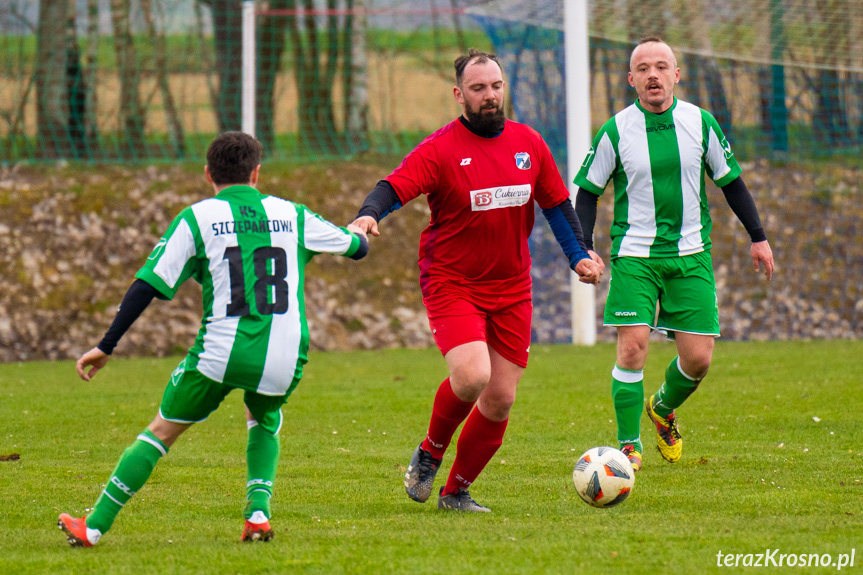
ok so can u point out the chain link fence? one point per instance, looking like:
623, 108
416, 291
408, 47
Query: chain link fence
152, 81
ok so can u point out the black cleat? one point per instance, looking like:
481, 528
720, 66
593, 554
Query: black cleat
420, 474
460, 501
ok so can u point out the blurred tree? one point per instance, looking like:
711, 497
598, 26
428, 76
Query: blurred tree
52, 105
90, 73
76, 88
271, 47
322, 38
227, 41
356, 78
172, 117
132, 112
315, 75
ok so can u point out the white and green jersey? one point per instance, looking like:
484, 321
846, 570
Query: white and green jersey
657, 163
248, 251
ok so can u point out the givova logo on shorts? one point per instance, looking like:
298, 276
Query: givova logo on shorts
501, 197
178, 373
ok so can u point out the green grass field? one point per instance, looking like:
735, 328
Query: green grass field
758, 470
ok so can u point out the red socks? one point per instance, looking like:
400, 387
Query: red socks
477, 444
447, 414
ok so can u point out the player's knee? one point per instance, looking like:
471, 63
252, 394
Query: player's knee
696, 366
631, 354
497, 406
470, 380
167, 431
701, 370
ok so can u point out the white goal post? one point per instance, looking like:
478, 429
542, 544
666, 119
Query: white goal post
578, 140
249, 72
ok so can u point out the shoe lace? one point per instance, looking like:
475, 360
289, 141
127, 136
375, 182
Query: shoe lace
427, 462
673, 432
463, 495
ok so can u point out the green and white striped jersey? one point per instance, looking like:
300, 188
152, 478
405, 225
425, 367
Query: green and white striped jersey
657, 163
248, 251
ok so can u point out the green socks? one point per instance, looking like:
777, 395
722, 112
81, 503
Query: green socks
138, 460
262, 457
132, 471
137, 463
674, 391
627, 390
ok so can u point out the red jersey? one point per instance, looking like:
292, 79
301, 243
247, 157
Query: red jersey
481, 193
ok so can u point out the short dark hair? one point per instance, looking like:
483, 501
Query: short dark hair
472, 55
232, 157
650, 40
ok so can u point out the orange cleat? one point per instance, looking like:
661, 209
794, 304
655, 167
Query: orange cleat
259, 531
76, 531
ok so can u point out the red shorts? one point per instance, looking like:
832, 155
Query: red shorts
458, 315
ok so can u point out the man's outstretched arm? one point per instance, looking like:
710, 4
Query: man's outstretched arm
137, 298
380, 202
567, 231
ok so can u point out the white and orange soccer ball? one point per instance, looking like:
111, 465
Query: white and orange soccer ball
603, 476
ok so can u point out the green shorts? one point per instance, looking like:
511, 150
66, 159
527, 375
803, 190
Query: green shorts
668, 294
191, 397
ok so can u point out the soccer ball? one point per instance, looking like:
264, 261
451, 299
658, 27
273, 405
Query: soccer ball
603, 476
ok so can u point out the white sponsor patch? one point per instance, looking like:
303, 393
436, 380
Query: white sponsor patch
500, 197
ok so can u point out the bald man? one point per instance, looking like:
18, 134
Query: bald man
656, 152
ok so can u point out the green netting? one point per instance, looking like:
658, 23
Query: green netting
784, 80
783, 77
155, 79
143, 81
151, 80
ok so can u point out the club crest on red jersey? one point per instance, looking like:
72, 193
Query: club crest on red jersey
522, 161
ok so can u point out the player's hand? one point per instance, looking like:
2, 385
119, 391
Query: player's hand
762, 254
588, 271
595, 257
367, 224
357, 230
96, 358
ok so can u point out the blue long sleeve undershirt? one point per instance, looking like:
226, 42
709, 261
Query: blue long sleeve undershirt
567, 231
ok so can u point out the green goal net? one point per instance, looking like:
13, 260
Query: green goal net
147, 81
